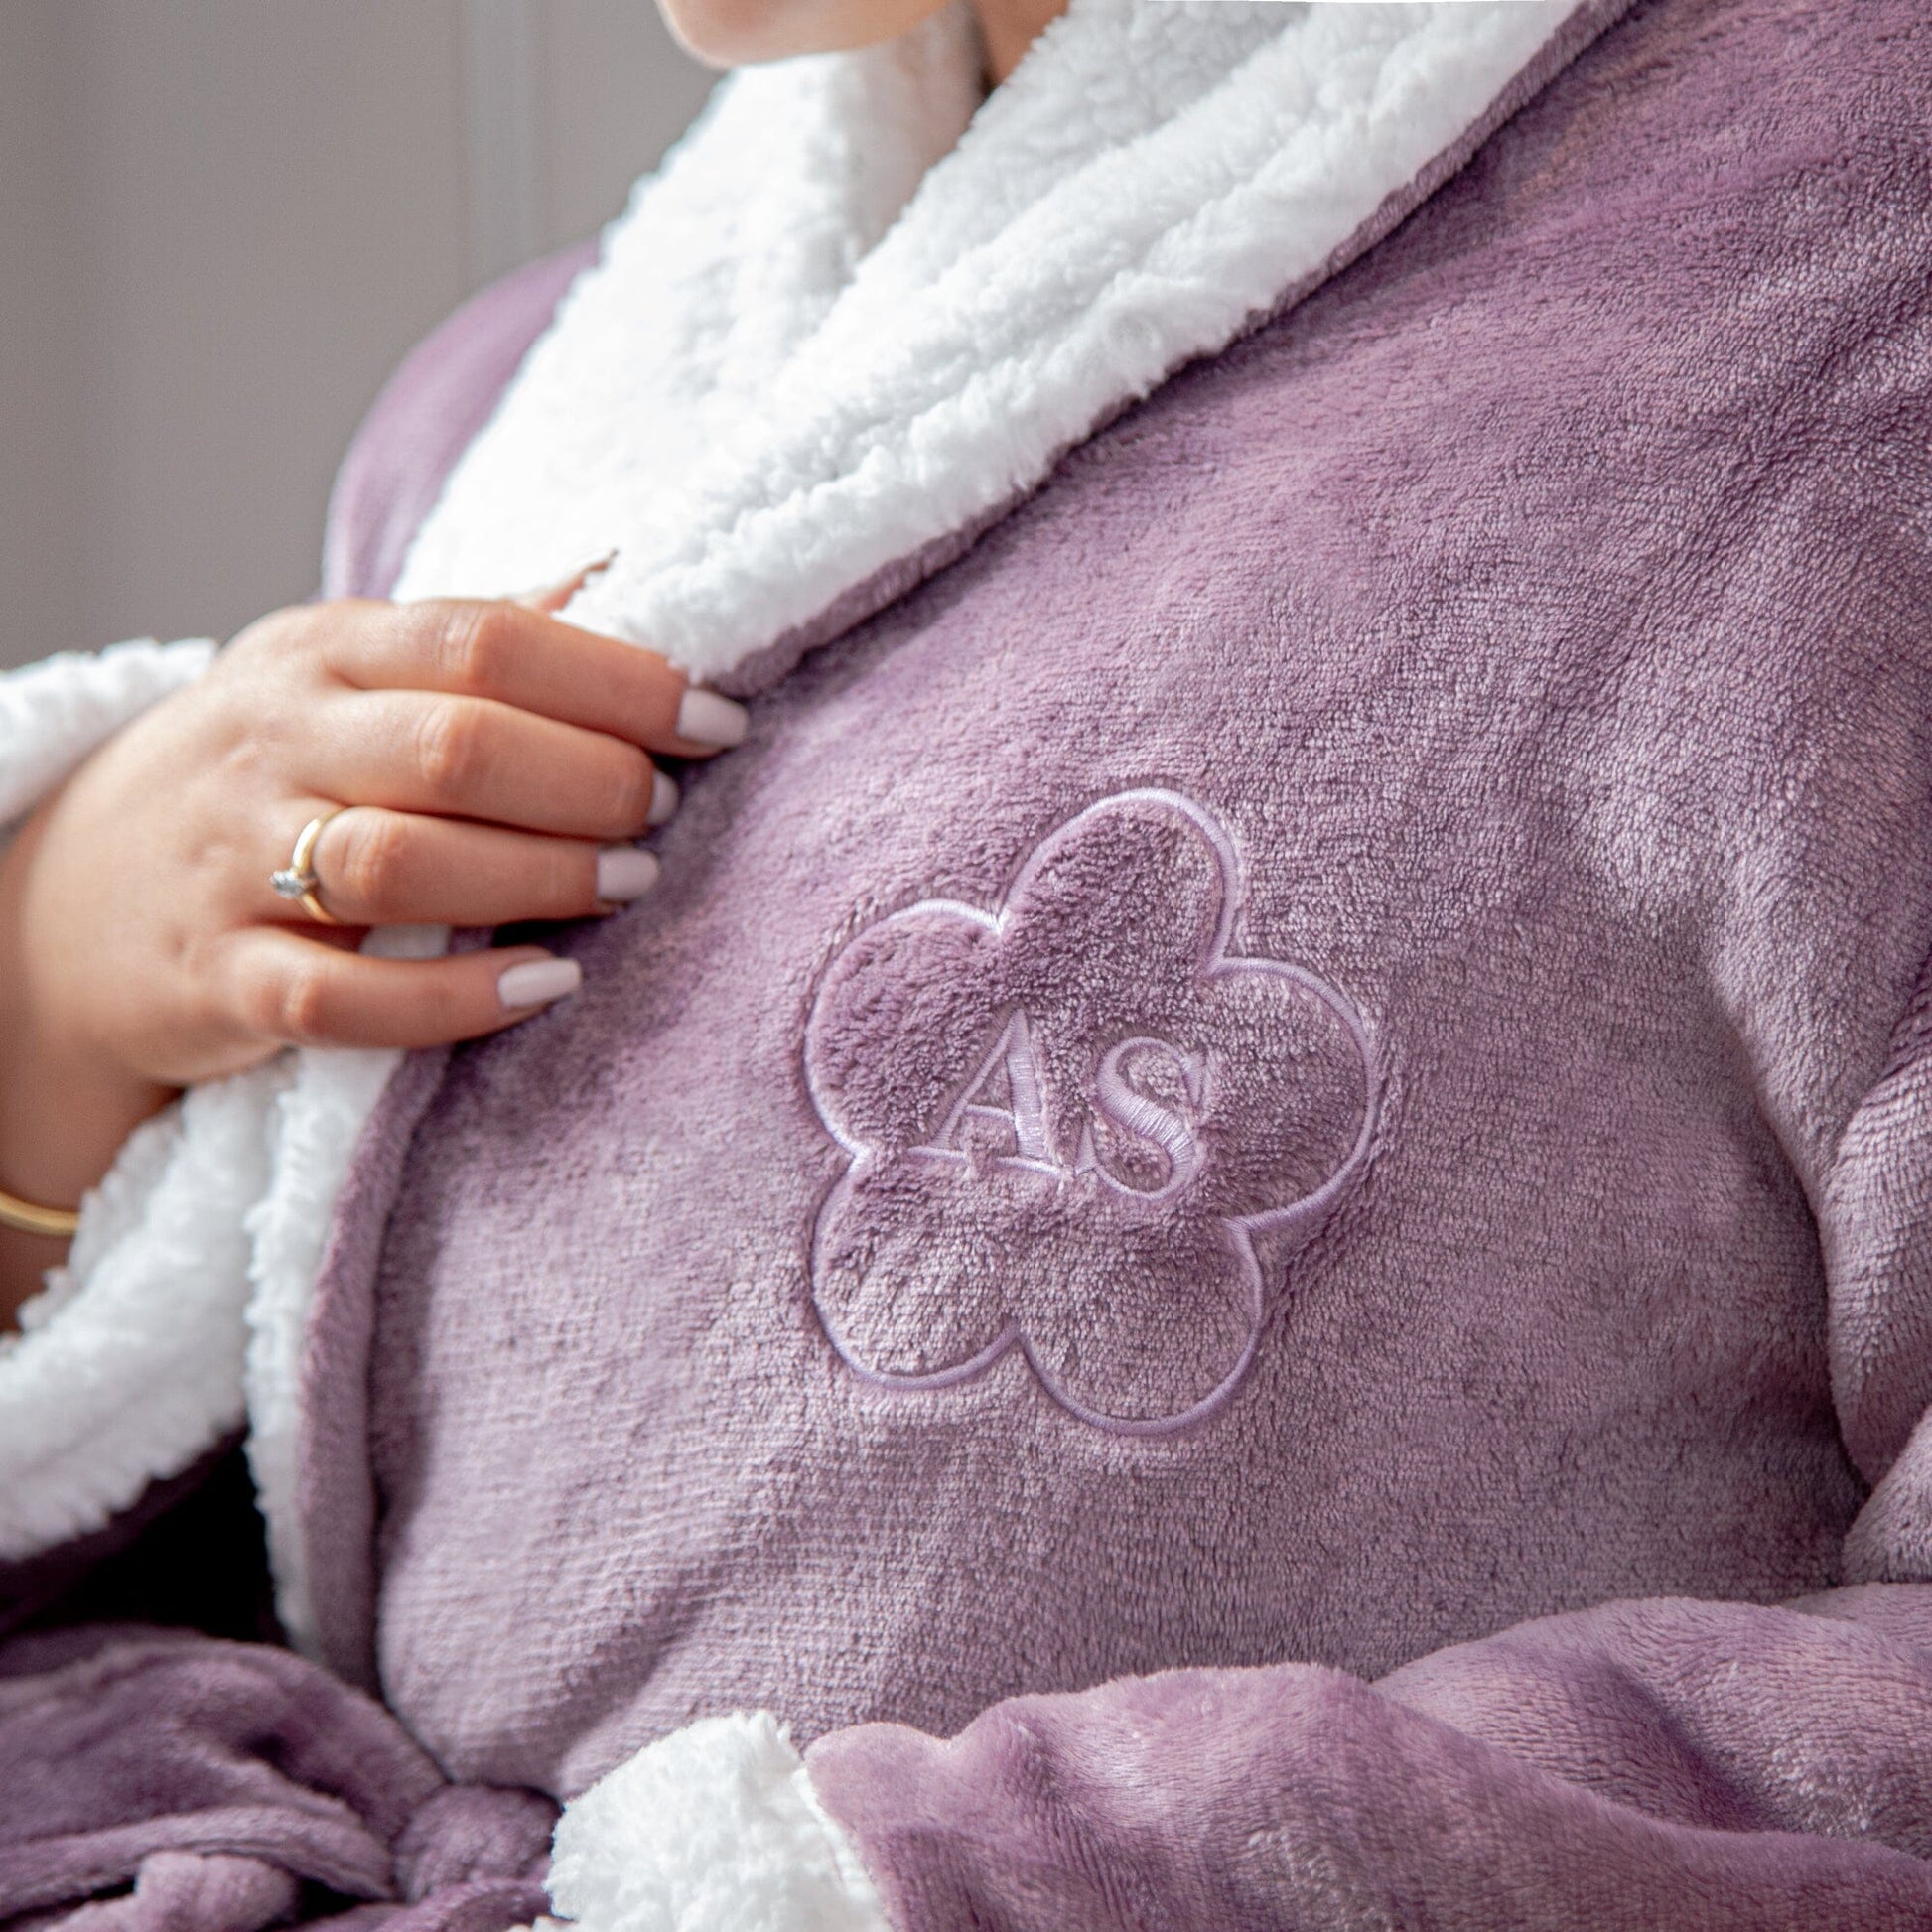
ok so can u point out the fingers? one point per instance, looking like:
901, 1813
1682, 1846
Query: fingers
385, 868
513, 654
287, 988
480, 759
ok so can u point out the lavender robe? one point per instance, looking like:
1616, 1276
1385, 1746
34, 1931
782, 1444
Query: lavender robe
1314, 1054
218, 1787
1308, 1055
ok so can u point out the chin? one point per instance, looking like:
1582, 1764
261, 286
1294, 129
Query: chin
732, 33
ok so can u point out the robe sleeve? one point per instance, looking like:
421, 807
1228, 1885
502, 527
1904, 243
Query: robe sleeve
1653, 1763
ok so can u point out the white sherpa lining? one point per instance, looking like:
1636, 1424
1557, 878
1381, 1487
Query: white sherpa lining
1152, 179
53, 713
716, 1829
103, 1392
132, 1376
318, 1118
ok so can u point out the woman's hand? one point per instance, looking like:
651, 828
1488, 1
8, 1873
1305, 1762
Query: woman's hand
498, 762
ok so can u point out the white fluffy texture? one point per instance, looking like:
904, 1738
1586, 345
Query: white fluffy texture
129, 1366
317, 1119
104, 1391
1150, 180
715, 1829
53, 713
732, 253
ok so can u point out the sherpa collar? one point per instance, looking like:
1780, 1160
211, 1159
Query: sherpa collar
858, 314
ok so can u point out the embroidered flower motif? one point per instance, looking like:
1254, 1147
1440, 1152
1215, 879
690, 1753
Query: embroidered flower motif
1071, 1118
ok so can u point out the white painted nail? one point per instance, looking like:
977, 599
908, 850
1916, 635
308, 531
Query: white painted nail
538, 981
624, 872
663, 797
707, 718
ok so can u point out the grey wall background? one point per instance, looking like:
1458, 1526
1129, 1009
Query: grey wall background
222, 221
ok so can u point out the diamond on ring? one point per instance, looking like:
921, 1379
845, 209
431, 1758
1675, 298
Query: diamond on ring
298, 880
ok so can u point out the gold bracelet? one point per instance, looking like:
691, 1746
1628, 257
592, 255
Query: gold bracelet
25, 1217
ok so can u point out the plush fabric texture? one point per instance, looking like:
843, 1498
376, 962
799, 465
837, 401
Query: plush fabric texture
1238, 155
53, 713
171, 1784
725, 323
1696, 1765
804, 358
1120, 1140
318, 1117
1479, 720
224, 1209
129, 1365
716, 1829
1527, 631
102, 1394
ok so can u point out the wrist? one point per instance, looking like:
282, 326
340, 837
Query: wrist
66, 1105
64, 1118
61, 1123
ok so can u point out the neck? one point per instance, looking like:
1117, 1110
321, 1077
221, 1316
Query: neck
1009, 27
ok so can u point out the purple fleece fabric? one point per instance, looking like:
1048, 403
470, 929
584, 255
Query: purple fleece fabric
1706, 1766
167, 1783
1318, 1052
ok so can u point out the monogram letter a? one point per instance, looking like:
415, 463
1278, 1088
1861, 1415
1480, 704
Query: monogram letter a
1003, 1111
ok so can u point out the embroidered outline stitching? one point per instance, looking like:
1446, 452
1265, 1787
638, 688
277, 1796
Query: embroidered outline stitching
1240, 1230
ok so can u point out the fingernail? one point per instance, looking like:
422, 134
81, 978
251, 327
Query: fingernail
664, 798
577, 579
624, 873
538, 981
551, 598
706, 718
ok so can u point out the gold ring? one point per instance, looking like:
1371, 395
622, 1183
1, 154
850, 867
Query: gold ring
297, 880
